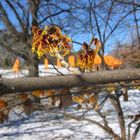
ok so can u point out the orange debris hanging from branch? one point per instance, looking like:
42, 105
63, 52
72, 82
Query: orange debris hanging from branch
16, 66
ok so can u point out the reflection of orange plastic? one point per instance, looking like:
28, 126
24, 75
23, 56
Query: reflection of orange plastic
58, 63
38, 93
46, 63
16, 66
71, 60
3, 104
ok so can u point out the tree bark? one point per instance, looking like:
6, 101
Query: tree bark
55, 82
32, 65
116, 103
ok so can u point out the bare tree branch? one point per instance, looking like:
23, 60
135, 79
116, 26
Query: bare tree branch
12, 50
116, 103
97, 25
34, 7
52, 15
50, 82
16, 14
6, 20
106, 129
107, 20
128, 2
136, 132
117, 24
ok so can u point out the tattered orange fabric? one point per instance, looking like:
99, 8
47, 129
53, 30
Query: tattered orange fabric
46, 63
16, 66
71, 60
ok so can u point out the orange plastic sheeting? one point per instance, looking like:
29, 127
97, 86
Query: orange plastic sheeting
117, 62
46, 63
58, 63
97, 60
112, 61
71, 60
16, 66
38, 93
109, 60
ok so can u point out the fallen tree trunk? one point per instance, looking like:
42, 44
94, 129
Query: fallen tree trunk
55, 82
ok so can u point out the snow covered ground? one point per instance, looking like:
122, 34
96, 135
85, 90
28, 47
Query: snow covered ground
8, 73
44, 125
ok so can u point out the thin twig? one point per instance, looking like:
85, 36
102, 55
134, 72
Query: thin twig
136, 132
106, 129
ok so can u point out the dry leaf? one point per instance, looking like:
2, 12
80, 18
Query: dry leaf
28, 107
